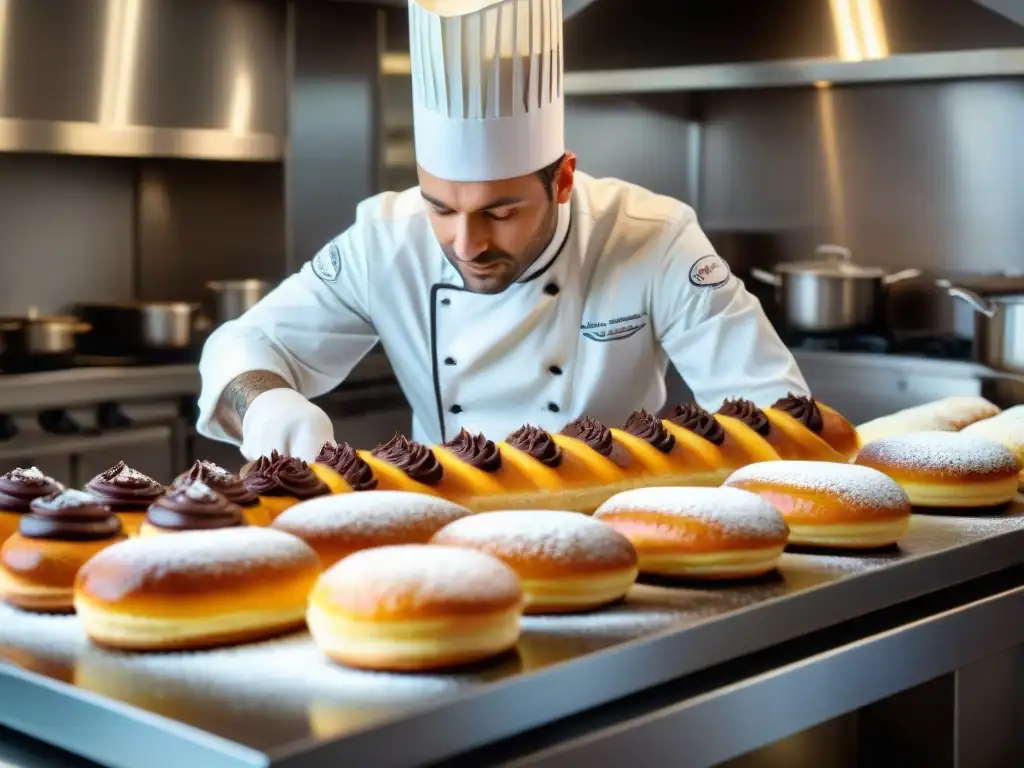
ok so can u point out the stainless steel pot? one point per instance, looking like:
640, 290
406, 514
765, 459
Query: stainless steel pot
998, 328
42, 335
168, 325
831, 292
236, 297
133, 327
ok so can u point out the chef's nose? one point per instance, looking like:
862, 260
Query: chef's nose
470, 239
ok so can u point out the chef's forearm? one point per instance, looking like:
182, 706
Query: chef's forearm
239, 394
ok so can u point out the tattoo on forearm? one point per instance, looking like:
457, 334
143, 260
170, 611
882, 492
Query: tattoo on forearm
239, 394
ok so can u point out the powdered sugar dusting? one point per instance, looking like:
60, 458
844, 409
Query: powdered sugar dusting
226, 550
215, 471
370, 514
734, 510
30, 474
546, 535
947, 452
421, 574
200, 491
67, 499
855, 485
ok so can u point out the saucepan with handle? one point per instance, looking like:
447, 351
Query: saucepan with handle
831, 293
998, 327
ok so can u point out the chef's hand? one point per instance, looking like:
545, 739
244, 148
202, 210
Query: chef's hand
282, 420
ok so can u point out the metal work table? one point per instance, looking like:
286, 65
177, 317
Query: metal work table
280, 704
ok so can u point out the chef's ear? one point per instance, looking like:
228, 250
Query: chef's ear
565, 177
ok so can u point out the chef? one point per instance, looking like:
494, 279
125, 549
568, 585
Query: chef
507, 288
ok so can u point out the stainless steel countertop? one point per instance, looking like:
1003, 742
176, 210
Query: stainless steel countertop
270, 697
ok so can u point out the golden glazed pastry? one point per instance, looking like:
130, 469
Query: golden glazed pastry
724, 443
55, 539
950, 414
415, 607
827, 423
338, 525
190, 506
229, 485
946, 469
281, 482
341, 467
843, 507
1007, 429
566, 561
569, 473
701, 533
17, 490
196, 589
127, 492
790, 437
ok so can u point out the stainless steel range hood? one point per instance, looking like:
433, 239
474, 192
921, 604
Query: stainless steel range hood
697, 45
188, 78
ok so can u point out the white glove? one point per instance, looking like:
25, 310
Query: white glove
285, 421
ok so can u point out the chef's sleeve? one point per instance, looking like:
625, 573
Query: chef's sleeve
713, 330
311, 330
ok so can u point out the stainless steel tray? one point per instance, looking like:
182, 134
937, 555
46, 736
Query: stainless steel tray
280, 703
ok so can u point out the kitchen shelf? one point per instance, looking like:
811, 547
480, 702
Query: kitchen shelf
97, 139
915, 67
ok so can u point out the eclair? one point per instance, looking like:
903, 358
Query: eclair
17, 490
59, 534
281, 481
722, 449
575, 479
229, 485
787, 436
826, 423
190, 506
127, 492
341, 467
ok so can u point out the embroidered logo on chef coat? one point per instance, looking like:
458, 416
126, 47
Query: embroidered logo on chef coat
709, 272
327, 263
615, 329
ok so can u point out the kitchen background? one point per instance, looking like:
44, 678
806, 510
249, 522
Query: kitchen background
152, 147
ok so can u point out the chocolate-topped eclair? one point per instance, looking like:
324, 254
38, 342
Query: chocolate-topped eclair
748, 413
415, 459
344, 460
56, 537
70, 515
695, 419
537, 444
281, 481
226, 483
20, 486
124, 489
803, 409
475, 450
649, 429
191, 506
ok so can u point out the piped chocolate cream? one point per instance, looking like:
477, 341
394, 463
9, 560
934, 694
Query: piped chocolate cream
694, 418
415, 459
748, 413
650, 429
598, 437
193, 505
277, 475
220, 480
344, 460
70, 515
20, 486
803, 409
537, 443
475, 450
124, 489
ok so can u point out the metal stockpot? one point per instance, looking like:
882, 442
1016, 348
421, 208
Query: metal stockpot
831, 293
236, 297
998, 328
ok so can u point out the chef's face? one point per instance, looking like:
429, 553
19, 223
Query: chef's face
492, 231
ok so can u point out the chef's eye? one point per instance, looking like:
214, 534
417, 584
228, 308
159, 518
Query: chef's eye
442, 211
496, 217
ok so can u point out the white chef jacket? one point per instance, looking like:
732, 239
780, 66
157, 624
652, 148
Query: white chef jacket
628, 283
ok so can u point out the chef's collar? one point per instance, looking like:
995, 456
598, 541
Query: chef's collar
554, 247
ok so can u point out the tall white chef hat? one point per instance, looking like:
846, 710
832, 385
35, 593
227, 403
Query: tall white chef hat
487, 86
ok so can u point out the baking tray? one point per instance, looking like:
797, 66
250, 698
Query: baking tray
280, 703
